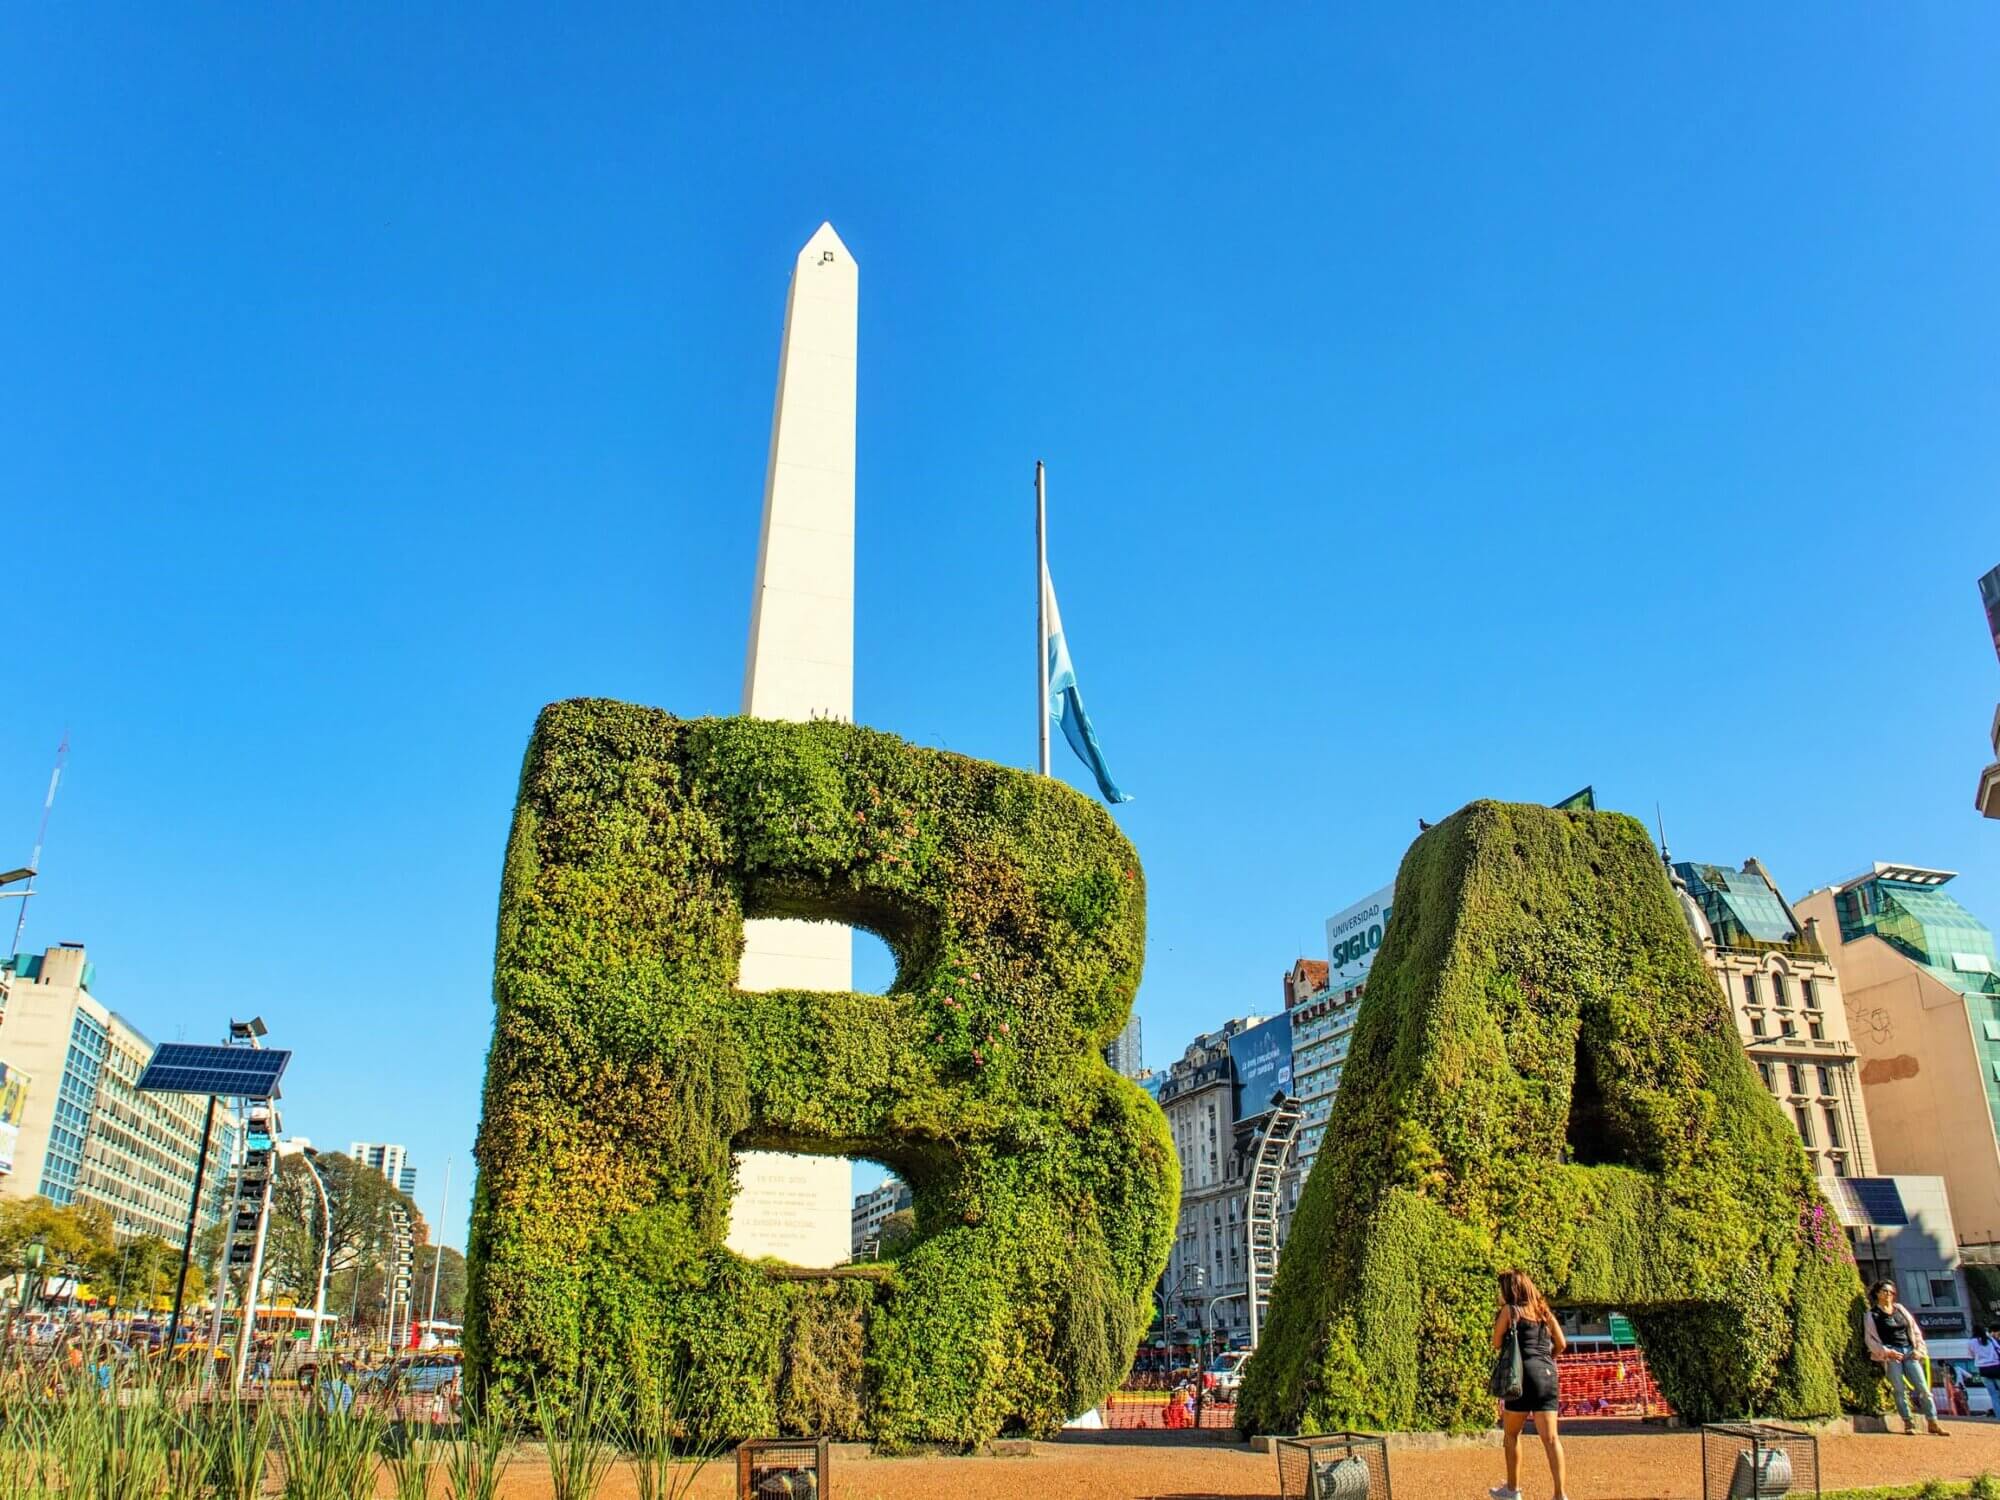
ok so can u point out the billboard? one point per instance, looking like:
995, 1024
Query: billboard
13, 1105
1989, 595
1353, 935
1263, 1058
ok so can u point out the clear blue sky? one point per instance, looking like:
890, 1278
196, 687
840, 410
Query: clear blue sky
1478, 403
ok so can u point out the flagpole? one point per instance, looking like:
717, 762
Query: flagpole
1042, 613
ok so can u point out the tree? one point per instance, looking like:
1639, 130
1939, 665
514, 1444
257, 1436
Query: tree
75, 1236
450, 1282
897, 1231
361, 1199
143, 1274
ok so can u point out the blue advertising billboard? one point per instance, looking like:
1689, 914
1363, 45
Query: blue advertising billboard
1263, 1058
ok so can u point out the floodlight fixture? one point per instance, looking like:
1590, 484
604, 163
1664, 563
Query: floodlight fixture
9, 877
248, 1031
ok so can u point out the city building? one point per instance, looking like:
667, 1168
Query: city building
393, 1162
1127, 1053
1304, 979
872, 1210
1901, 1230
1200, 1098
1323, 999
1917, 971
1987, 799
1785, 994
1776, 968
85, 1133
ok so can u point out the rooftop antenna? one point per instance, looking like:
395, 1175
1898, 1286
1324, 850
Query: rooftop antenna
41, 833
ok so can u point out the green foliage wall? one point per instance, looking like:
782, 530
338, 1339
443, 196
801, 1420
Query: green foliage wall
1545, 1075
625, 1068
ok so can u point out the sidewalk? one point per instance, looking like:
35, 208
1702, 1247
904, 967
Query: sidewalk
1604, 1465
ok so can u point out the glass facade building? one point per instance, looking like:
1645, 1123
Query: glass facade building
1909, 909
76, 1100
86, 1133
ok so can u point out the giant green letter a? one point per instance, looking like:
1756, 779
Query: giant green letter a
1544, 1075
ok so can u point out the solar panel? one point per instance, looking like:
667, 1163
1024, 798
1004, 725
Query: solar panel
233, 1072
1871, 1200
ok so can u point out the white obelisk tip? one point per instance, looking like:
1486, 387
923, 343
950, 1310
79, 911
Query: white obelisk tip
825, 243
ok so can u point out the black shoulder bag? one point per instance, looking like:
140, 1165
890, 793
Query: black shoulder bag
1505, 1381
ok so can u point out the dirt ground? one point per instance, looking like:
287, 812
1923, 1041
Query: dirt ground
1607, 1462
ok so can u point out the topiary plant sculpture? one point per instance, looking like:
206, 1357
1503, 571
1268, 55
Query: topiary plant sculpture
1545, 1075
626, 1069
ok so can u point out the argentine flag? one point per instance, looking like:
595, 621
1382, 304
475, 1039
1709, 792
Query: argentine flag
1066, 702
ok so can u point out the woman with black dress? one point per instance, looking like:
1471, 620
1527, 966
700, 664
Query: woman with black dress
1523, 1308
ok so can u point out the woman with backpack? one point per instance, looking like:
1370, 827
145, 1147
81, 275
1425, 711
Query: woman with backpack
1525, 1316
1897, 1341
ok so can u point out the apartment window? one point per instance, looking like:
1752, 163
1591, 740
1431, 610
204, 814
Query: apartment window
1764, 1072
1756, 1023
1826, 1081
1920, 1287
1832, 1126
1778, 990
1796, 1076
1804, 1117
1808, 996
1750, 990
1817, 1030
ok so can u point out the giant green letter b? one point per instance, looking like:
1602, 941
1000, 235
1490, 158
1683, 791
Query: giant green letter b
626, 1068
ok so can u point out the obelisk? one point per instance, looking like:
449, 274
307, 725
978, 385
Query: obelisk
801, 666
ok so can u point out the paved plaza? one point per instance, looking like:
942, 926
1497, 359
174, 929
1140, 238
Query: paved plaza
1607, 1462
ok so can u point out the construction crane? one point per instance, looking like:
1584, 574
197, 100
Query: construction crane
27, 872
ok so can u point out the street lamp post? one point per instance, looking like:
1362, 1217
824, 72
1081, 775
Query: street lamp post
1191, 1271
34, 1255
123, 1226
309, 1156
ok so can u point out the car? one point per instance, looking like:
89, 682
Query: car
1225, 1373
417, 1374
1961, 1374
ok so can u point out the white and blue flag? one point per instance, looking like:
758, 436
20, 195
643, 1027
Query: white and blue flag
1066, 702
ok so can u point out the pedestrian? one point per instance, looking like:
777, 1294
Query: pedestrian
1985, 1351
336, 1393
1527, 1314
1895, 1340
